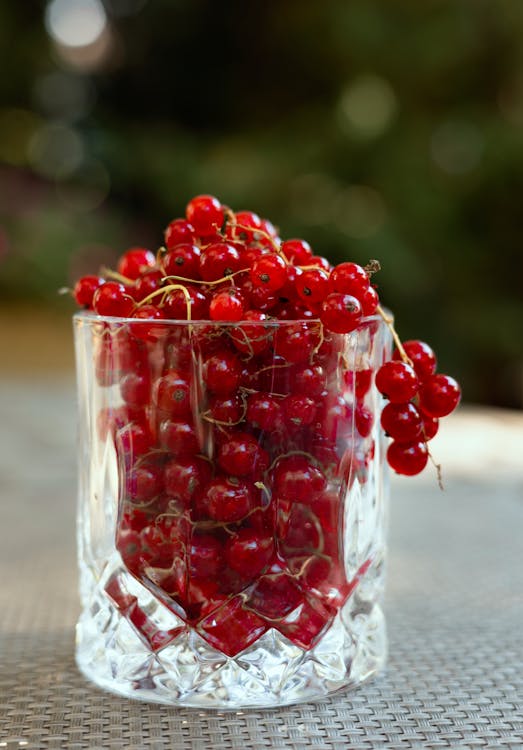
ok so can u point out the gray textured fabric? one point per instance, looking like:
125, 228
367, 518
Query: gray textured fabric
454, 609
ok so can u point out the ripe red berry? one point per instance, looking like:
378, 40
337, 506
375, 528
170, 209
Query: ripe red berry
407, 458
349, 278
182, 260
219, 260
299, 410
430, 426
179, 231
294, 342
263, 411
241, 455
312, 286
228, 499
402, 422
146, 284
205, 213
145, 331
439, 395
296, 478
369, 301
176, 303
397, 381
135, 261
252, 338
222, 373
248, 552
144, 482
184, 477
172, 395
85, 288
179, 438
341, 313
297, 252
226, 305
246, 226
309, 380
113, 299
205, 556
422, 357
269, 272
135, 388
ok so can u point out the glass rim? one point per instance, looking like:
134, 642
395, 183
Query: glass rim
92, 317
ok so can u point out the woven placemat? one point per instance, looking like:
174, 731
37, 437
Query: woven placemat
454, 609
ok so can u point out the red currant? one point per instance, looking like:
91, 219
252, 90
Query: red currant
228, 499
205, 213
407, 458
146, 284
298, 252
248, 552
397, 381
439, 395
341, 313
222, 373
296, 478
349, 278
182, 260
312, 286
85, 288
185, 477
179, 231
227, 306
175, 305
422, 357
219, 260
263, 411
253, 338
205, 556
179, 438
269, 272
172, 395
402, 422
135, 261
241, 455
113, 299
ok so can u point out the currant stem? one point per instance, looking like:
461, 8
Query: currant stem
438, 472
110, 274
206, 283
390, 324
164, 291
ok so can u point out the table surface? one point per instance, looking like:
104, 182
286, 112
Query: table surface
454, 606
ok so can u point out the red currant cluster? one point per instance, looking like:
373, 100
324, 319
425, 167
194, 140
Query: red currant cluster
418, 398
238, 435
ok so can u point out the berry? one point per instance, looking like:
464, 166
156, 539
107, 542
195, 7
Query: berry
226, 409
397, 381
422, 357
248, 552
439, 395
253, 338
205, 556
228, 499
144, 482
312, 286
205, 213
135, 388
430, 426
113, 299
247, 226
299, 410
85, 288
363, 420
294, 342
297, 252
219, 260
402, 422
146, 332
135, 261
146, 284
341, 313
296, 478
227, 306
182, 260
349, 278
369, 301
263, 411
179, 438
407, 458
175, 305
186, 477
179, 231
172, 395
241, 455
269, 272
309, 380
222, 372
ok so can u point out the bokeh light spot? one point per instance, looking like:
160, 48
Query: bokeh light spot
367, 106
75, 23
65, 96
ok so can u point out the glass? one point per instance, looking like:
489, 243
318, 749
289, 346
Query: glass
232, 509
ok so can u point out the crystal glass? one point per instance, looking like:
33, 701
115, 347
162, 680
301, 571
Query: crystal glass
232, 509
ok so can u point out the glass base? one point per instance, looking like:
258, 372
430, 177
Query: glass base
175, 666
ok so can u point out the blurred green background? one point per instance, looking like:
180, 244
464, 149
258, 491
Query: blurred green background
387, 129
